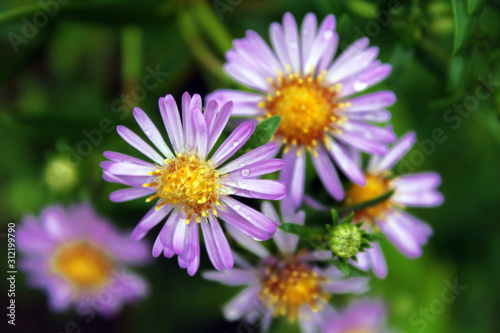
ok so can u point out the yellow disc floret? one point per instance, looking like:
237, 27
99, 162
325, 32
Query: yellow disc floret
308, 108
83, 265
189, 182
376, 185
286, 287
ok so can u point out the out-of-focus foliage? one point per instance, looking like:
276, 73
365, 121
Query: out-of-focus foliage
69, 79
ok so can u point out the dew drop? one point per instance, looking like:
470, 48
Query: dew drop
328, 34
242, 165
236, 143
236, 207
245, 172
243, 185
360, 85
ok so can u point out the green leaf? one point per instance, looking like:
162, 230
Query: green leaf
264, 131
343, 265
366, 204
473, 6
299, 230
462, 23
335, 217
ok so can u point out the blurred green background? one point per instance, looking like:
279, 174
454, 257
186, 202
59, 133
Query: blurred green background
82, 71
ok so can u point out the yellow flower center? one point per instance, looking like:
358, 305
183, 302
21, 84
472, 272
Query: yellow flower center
307, 107
376, 185
286, 288
83, 265
189, 182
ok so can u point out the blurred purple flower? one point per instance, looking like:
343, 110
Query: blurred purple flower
290, 284
80, 259
405, 231
192, 187
362, 316
313, 93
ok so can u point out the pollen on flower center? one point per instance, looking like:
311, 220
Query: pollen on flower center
286, 287
307, 107
83, 265
189, 182
376, 185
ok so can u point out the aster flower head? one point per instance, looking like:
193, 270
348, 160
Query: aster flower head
192, 185
289, 284
80, 260
299, 80
405, 231
362, 316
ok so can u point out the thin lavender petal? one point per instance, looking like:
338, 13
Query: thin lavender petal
139, 144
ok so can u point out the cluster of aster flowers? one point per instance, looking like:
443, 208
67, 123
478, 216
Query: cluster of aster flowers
192, 183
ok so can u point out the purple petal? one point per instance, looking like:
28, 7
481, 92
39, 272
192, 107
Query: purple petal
151, 132
234, 142
344, 161
326, 36
180, 234
232, 277
219, 124
117, 157
308, 34
246, 76
291, 35
396, 152
418, 199
327, 173
354, 49
362, 144
278, 42
242, 303
247, 242
294, 174
353, 65
221, 242
419, 182
374, 101
352, 285
57, 223
200, 133
212, 249
210, 114
253, 216
379, 116
250, 158
127, 169
172, 121
149, 221
258, 187
377, 260
129, 194
245, 103
139, 144
249, 228
257, 169
365, 80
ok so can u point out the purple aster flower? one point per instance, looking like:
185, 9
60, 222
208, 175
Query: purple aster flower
363, 316
80, 259
405, 231
314, 95
289, 284
193, 187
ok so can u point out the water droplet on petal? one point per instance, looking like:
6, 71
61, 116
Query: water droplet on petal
360, 85
328, 34
245, 172
242, 165
236, 143
236, 207
243, 185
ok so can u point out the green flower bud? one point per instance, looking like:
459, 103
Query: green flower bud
60, 175
345, 240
